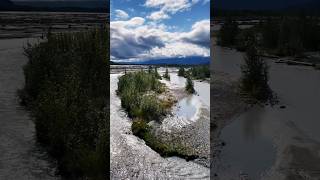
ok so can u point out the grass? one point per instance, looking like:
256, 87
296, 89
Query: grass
67, 90
138, 92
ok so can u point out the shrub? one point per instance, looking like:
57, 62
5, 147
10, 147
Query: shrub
189, 86
181, 72
67, 90
228, 33
254, 80
166, 75
136, 93
199, 72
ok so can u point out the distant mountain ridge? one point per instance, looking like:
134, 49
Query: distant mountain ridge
56, 6
194, 60
64, 4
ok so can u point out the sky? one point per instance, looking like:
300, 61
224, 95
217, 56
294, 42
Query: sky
159, 29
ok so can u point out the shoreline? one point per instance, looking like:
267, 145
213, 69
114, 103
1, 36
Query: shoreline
132, 158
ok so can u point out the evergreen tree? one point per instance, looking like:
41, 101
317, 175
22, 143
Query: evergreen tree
181, 72
156, 73
166, 74
189, 85
254, 80
228, 33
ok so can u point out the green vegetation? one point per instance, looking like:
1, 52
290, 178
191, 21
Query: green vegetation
228, 33
67, 90
199, 72
282, 36
254, 80
138, 95
166, 75
181, 71
290, 36
157, 75
189, 85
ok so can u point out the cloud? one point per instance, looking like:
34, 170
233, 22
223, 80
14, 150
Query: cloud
199, 35
158, 15
130, 38
168, 7
121, 15
136, 39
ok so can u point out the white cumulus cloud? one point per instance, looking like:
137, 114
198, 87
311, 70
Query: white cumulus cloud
121, 15
136, 39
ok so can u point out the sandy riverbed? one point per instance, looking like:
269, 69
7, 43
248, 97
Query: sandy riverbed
132, 158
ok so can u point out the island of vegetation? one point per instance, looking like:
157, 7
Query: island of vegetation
67, 91
140, 97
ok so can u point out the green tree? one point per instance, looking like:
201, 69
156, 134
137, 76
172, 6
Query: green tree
181, 72
254, 79
228, 33
157, 75
189, 85
166, 74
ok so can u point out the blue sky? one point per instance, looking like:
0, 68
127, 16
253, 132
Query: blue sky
153, 29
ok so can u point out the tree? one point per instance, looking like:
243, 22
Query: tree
157, 75
228, 33
189, 85
254, 80
181, 72
166, 74
150, 69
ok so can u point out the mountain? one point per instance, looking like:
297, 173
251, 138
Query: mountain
93, 4
195, 60
56, 6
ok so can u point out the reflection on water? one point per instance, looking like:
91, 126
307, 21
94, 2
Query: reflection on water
187, 107
250, 138
252, 124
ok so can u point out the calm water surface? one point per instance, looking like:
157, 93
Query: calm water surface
249, 140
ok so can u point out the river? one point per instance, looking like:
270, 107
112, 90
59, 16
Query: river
131, 158
20, 156
268, 142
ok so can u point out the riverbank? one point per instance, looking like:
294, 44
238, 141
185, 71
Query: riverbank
132, 158
21, 157
273, 142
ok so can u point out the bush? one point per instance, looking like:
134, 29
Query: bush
166, 75
199, 72
228, 33
181, 72
136, 93
189, 86
254, 80
67, 90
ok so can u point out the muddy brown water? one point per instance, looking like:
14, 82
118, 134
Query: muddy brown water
20, 156
253, 137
